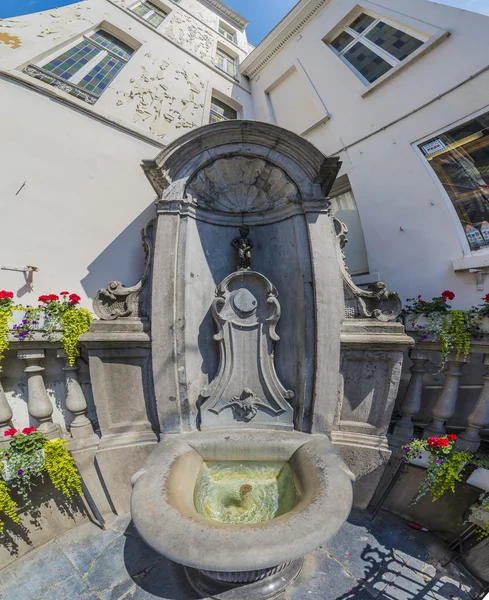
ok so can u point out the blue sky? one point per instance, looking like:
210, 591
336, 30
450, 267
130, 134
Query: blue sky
262, 14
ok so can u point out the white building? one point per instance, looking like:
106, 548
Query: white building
397, 89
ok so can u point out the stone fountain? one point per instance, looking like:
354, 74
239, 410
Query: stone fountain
268, 375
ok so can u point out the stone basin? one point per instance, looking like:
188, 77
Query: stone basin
164, 511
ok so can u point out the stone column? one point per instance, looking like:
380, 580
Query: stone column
470, 439
411, 403
75, 399
447, 400
5, 415
38, 403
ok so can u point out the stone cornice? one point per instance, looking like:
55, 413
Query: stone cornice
228, 12
290, 26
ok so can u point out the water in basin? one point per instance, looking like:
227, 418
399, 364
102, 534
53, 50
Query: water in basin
244, 492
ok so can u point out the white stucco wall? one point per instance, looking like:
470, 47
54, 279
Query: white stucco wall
83, 197
410, 229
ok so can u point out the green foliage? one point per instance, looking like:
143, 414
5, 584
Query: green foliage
7, 505
25, 461
76, 322
61, 468
449, 473
6, 304
484, 529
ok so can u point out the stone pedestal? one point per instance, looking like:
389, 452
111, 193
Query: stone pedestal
371, 362
5, 415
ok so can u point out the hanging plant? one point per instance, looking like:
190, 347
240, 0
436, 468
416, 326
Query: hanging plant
25, 460
454, 329
445, 464
76, 322
6, 303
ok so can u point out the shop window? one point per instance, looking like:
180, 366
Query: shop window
373, 47
460, 159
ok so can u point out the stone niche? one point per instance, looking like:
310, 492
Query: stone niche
155, 351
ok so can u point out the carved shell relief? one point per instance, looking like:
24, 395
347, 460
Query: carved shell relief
242, 184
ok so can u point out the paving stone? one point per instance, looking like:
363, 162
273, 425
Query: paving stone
166, 581
70, 589
34, 575
124, 558
84, 544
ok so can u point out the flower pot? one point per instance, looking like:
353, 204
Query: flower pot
480, 515
42, 323
424, 461
8, 476
480, 479
419, 321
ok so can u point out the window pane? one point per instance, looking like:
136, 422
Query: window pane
221, 111
101, 75
141, 9
392, 40
362, 22
226, 63
460, 159
67, 64
366, 62
113, 44
342, 41
156, 18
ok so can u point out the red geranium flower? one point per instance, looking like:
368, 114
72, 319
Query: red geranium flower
74, 298
443, 442
5, 294
10, 431
48, 298
448, 295
28, 430
452, 436
64, 293
486, 298
434, 442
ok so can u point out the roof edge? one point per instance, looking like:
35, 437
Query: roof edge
228, 12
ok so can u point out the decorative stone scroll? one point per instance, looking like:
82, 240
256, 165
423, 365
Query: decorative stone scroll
242, 184
246, 389
117, 301
377, 302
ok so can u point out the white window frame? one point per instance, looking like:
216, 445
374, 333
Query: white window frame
230, 34
150, 12
230, 60
466, 249
80, 74
221, 117
360, 37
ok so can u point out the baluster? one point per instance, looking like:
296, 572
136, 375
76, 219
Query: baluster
75, 399
38, 403
5, 415
470, 439
447, 400
411, 403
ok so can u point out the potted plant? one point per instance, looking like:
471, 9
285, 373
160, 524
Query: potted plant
435, 320
26, 459
444, 464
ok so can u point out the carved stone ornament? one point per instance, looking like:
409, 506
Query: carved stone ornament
377, 302
246, 387
117, 301
242, 184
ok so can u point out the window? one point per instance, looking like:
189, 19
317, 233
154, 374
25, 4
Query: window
86, 69
373, 47
149, 12
227, 63
460, 159
227, 32
221, 112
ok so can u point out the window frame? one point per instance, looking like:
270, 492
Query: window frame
229, 30
37, 70
416, 145
222, 118
361, 38
150, 12
229, 55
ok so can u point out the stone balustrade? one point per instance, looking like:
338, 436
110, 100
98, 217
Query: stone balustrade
39, 387
453, 399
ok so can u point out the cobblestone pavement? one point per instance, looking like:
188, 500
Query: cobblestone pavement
367, 559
